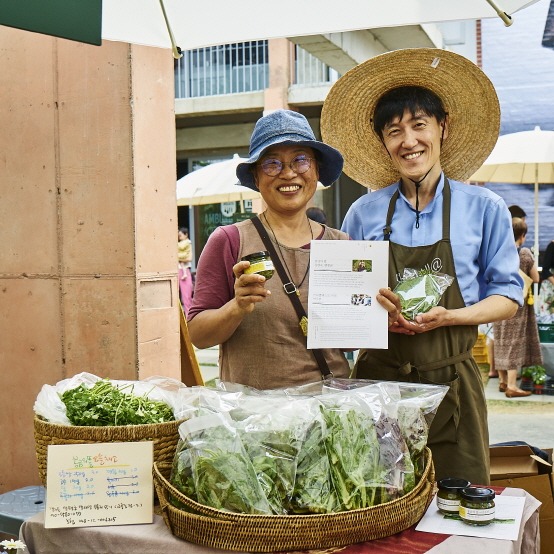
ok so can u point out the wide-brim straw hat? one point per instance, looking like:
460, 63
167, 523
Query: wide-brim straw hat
467, 94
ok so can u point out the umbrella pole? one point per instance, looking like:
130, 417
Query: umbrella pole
537, 213
536, 285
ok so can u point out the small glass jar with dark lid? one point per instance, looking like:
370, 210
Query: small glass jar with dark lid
448, 495
477, 505
260, 263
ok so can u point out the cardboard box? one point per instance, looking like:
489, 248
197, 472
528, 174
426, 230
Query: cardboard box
519, 467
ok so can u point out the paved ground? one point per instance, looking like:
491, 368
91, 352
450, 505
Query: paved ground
529, 419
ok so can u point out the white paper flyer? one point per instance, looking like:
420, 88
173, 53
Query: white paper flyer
345, 277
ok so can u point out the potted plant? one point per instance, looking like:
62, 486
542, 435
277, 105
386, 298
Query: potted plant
539, 379
527, 377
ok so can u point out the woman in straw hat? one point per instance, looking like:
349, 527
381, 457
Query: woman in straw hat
256, 320
411, 124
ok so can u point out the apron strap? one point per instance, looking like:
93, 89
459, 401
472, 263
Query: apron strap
387, 230
406, 368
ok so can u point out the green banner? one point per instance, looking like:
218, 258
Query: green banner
79, 20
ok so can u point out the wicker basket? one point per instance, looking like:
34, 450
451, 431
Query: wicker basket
164, 436
271, 533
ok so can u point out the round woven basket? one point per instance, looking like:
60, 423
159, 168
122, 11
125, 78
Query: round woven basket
163, 435
272, 533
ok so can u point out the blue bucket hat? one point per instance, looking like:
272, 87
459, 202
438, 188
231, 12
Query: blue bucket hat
288, 127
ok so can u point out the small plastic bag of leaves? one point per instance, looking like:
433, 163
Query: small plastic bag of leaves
272, 433
420, 291
314, 491
212, 466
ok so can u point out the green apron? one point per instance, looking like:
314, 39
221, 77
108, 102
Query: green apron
458, 436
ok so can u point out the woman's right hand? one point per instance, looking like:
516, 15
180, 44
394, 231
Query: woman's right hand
249, 289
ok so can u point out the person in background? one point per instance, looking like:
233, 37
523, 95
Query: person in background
316, 214
516, 211
546, 293
488, 329
412, 124
252, 318
184, 254
517, 339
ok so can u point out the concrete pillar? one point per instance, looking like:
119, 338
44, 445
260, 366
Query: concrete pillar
280, 74
88, 268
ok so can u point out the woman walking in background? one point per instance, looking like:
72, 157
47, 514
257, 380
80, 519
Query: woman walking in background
516, 340
184, 252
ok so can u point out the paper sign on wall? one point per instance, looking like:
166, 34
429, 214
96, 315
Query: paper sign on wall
91, 485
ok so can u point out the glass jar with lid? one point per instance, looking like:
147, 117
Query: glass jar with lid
448, 495
260, 263
477, 505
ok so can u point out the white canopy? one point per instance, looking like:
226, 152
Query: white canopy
198, 24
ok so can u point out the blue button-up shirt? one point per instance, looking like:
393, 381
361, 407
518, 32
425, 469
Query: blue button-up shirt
483, 246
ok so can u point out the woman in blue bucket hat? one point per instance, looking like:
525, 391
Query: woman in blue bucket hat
257, 321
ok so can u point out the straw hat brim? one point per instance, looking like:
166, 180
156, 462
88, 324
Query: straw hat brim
468, 96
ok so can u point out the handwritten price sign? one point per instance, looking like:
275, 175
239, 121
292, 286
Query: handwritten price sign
99, 484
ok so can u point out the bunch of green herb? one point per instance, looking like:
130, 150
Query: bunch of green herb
105, 404
272, 431
314, 492
227, 481
419, 292
213, 468
273, 454
353, 452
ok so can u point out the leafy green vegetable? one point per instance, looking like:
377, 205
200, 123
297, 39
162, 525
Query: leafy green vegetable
353, 452
273, 455
419, 292
106, 405
227, 481
314, 492
212, 467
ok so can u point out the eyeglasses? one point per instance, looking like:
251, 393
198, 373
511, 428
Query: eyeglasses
273, 167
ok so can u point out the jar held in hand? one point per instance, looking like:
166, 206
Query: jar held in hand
260, 263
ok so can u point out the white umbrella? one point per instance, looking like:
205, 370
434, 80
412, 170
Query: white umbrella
198, 24
188, 24
522, 158
213, 184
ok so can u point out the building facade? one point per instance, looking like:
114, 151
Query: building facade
221, 91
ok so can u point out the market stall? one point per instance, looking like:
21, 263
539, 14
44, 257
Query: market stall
336, 465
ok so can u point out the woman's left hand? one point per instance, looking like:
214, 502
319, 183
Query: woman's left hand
391, 302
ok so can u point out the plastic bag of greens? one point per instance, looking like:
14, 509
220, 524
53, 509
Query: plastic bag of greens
272, 431
420, 291
407, 407
212, 466
353, 450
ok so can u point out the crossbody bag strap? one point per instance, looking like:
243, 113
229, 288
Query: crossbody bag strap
290, 290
